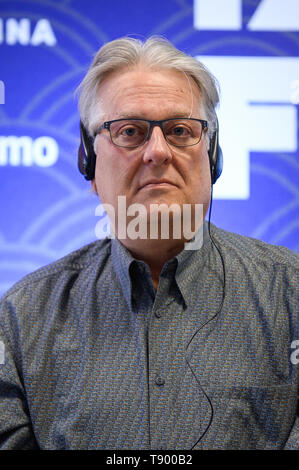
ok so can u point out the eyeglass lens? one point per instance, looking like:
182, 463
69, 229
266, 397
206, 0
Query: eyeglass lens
132, 133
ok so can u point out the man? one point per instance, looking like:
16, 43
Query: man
144, 343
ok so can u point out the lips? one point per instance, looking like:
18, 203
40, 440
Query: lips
156, 182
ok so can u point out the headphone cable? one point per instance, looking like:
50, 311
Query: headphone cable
212, 318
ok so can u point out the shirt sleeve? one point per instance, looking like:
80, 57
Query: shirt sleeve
15, 426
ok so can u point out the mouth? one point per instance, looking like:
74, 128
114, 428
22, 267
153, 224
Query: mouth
157, 183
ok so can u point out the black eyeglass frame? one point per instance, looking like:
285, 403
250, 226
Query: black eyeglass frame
107, 124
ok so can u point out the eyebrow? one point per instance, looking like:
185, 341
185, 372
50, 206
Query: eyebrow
141, 116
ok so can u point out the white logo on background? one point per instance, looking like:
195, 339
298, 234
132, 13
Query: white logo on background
25, 151
256, 114
270, 15
295, 92
14, 31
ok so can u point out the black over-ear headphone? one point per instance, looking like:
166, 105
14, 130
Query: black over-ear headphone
87, 156
215, 155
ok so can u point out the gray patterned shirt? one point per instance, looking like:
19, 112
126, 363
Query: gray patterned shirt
94, 358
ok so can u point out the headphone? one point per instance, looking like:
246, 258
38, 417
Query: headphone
215, 155
87, 156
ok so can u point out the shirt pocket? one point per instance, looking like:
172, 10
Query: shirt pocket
250, 417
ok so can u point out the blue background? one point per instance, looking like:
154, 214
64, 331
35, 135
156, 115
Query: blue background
47, 212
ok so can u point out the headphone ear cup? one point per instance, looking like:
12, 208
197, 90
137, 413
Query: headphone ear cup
215, 156
86, 154
218, 165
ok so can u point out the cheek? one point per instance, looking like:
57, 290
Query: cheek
199, 179
103, 179
198, 168
114, 174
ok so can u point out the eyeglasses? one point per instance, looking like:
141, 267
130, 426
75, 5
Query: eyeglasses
131, 133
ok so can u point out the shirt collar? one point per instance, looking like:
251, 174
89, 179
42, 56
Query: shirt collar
185, 266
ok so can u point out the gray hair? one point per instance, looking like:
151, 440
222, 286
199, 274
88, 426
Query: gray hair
155, 52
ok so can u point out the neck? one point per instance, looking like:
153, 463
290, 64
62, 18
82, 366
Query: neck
155, 253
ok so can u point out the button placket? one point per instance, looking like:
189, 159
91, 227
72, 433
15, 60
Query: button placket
159, 311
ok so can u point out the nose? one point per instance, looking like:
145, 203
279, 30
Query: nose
156, 149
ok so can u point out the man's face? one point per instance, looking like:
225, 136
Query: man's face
156, 172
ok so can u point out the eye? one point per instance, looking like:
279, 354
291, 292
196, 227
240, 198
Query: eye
129, 131
180, 131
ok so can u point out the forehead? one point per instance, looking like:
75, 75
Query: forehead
153, 93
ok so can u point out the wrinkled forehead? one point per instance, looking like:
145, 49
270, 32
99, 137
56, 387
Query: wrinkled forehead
131, 86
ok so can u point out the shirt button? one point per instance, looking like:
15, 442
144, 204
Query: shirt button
160, 381
158, 314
